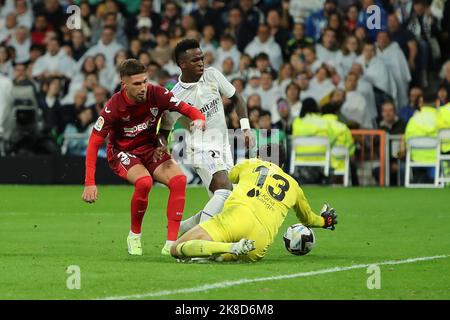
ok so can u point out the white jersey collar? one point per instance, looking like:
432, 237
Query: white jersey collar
187, 85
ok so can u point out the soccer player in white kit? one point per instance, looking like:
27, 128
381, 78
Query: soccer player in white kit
209, 151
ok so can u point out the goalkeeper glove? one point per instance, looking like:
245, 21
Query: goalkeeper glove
329, 217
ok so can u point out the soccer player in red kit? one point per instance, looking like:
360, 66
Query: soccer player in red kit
136, 152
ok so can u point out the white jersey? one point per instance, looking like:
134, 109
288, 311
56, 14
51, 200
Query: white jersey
205, 95
207, 151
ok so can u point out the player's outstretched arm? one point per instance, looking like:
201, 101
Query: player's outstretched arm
304, 212
90, 193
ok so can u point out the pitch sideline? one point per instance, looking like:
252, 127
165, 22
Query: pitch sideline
226, 284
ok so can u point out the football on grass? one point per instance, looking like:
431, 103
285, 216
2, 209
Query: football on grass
298, 239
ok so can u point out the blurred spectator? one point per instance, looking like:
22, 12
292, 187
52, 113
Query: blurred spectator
51, 107
298, 39
351, 18
321, 84
78, 44
327, 48
24, 13
317, 21
365, 88
207, 43
254, 81
284, 112
279, 33
254, 102
205, 15
253, 116
227, 68
83, 127
147, 14
293, 99
55, 63
407, 42
6, 65
39, 30
264, 42
390, 122
8, 27
226, 50
445, 75
393, 58
269, 94
21, 42
266, 134
53, 11
442, 96
162, 53
424, 26
237, 27
251, 16
413, 105
106, 45
285, 76
101, 95
6, 102
348, 54
355, 107
171, 17
378, 75
310, 59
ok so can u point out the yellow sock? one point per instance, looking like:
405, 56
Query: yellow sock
202, 248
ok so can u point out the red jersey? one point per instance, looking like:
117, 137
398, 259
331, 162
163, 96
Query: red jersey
131, 125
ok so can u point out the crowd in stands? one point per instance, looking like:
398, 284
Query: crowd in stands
288, 58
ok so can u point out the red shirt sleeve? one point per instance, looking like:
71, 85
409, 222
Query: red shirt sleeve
101, 129
169, 101
95, 142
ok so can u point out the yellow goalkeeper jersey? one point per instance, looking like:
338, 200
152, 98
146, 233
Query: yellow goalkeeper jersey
269, 193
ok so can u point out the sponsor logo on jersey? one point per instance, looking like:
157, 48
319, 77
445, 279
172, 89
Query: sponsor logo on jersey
210, 108
134, 131
99, 124
154, 111
128, 118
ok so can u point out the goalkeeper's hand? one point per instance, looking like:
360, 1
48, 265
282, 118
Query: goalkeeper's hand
329, 217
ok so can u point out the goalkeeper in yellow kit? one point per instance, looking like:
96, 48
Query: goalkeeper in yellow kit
252, 214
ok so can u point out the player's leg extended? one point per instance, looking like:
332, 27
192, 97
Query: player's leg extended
198, 243
171, 175
220, 186
142, 181
219, 235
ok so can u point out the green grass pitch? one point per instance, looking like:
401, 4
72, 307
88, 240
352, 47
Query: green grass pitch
43, 230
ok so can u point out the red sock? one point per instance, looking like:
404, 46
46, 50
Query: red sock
175, 205
139, 202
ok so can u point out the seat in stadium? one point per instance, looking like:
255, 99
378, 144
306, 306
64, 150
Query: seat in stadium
422, 143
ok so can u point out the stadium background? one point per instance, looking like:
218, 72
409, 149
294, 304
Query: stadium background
54, 81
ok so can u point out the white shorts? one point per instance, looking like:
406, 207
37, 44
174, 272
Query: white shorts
208, 162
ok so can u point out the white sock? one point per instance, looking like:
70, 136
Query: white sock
131, 234
215, 204
169, 243
212, 207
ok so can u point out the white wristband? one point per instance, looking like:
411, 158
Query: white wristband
245, 124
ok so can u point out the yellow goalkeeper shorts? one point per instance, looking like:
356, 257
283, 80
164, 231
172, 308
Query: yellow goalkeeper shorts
234, 223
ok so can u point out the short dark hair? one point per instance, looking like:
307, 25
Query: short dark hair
183, 46
130, 67
309, 105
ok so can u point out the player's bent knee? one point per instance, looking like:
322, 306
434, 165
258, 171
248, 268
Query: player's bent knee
144, 184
